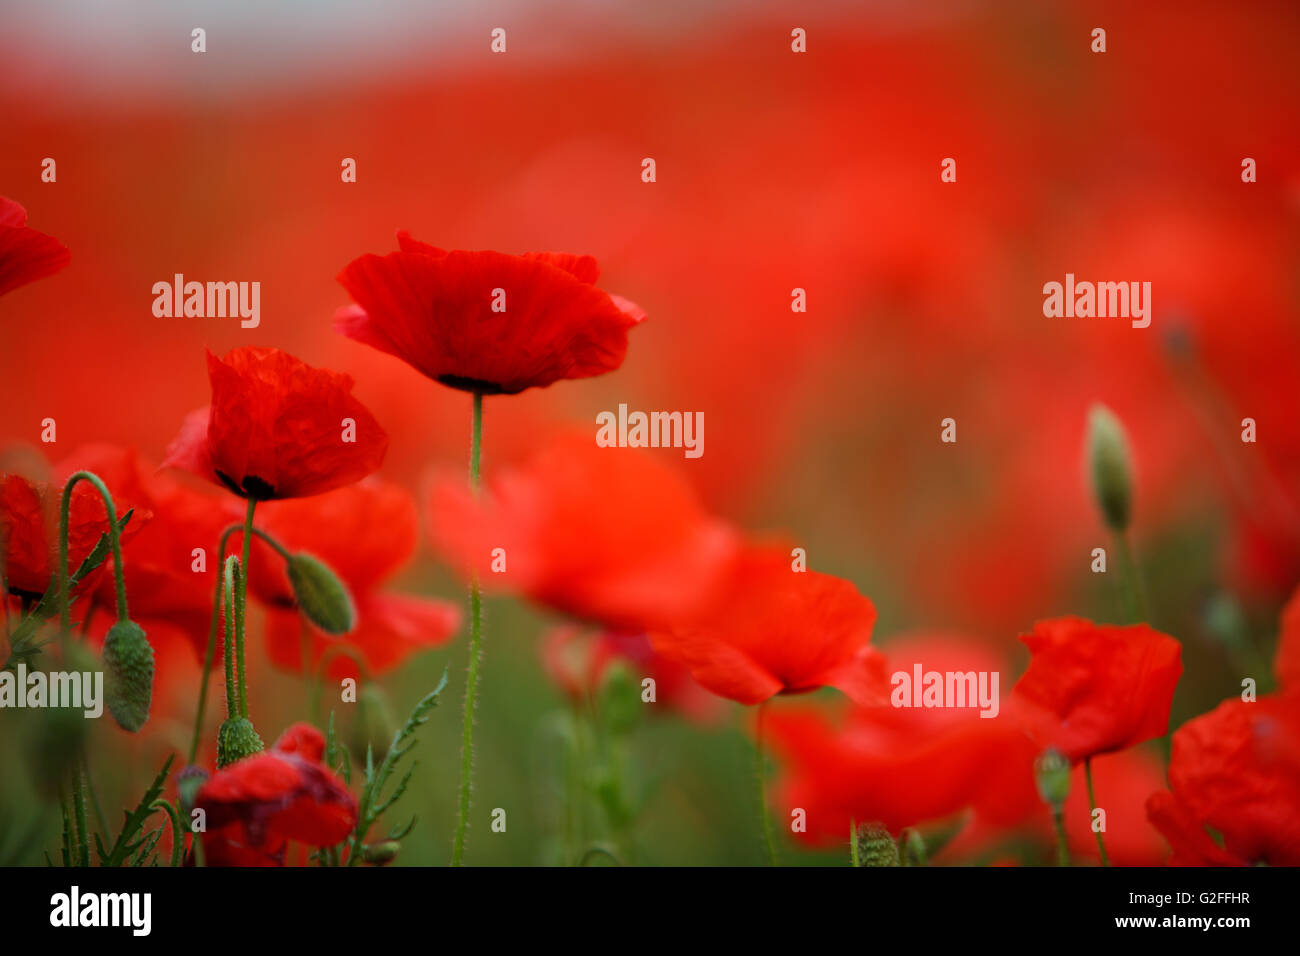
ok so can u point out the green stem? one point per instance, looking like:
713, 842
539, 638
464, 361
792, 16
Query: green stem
475, 650
114, 540
853, 843
1062, 846
241, 603
760, 776
1092, 811
1134, 598
211, 653
228, 599
79, 809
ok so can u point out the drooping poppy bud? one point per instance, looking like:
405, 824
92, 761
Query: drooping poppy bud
320, 593
875, 846
236, 740
128, 668
1110, 467
620, 700
381, 854
1052, 775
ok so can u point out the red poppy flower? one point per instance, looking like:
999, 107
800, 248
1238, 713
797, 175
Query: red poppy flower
613, 538
1235, 770
25, 254
29, 530
257, 804
1092, 689
485, 321
772, 630
340, 529
278, 428
903, 765
576, 661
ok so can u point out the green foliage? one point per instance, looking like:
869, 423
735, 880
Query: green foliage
129, 841
373, 804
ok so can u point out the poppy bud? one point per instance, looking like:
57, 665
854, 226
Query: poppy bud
875, 846
375, 723
320, 594
1052, 774
128, 666
912, 848
381, 854
188, 782
1110, 467
236, 740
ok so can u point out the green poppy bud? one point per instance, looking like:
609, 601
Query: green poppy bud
912, 848
320, 593
1052, 774
236, 740
875, 846
374, 725
188, 783
1110, 467
128, 671
381, 854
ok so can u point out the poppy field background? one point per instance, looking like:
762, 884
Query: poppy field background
775, 170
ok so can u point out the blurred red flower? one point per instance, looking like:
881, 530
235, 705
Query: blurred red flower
255, 805
276, 428
1235, 770
576, 661
611, 537
367, 534
1092, 689
25, 254
772, 630
487, 322
904, 766
29, 531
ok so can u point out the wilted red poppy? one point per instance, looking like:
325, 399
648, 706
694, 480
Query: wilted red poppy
1234, 771
487, 322
905, 765
610, 537
278, 428
29, 532
256, 804
1092, 689
25, 254
772, 630
367, 534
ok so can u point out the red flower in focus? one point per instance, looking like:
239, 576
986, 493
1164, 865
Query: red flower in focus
276, 428
485, 321
25, 254
29, 531
1235, 770
772, 630
367, 534
576, 661
904, 766
258, 804
609, 537
1092, 689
